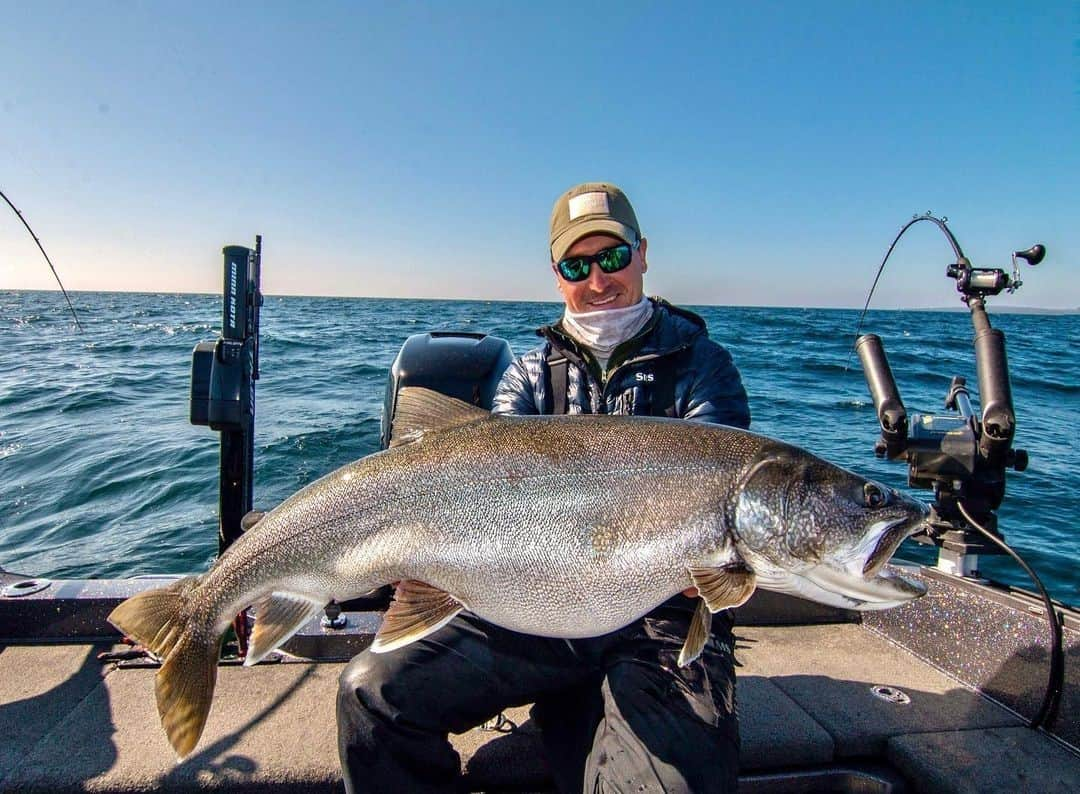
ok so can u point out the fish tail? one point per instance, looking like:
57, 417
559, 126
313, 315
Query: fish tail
162, 621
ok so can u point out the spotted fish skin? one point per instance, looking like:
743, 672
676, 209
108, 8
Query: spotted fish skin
556, 526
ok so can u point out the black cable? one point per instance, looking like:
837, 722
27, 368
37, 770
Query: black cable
53, 269
1052, 699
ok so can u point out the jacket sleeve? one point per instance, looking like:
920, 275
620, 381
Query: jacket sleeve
515, 393
716, 391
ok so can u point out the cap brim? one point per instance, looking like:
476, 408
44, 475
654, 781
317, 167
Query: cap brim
564, 241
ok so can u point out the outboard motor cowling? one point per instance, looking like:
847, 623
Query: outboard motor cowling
464, 365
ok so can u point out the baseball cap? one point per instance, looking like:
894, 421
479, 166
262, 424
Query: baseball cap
591, 208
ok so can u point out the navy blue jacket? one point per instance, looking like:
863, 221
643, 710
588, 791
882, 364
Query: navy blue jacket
707, 386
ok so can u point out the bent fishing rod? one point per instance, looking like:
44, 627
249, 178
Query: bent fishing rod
42, 249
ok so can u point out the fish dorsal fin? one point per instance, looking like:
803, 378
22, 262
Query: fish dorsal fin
724, 586
698, 635
419, 410
417, 610
278, 616
250, 519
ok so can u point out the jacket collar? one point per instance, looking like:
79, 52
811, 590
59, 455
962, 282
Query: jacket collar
668, 330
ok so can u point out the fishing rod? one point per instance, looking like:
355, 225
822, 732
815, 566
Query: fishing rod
881, 268
42, 249
963, 456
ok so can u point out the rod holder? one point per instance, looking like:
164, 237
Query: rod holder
892, 416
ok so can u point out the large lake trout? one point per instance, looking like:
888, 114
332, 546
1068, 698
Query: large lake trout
551, 525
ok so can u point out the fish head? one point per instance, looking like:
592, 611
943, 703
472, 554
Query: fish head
816, 530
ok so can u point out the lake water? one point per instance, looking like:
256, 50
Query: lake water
101, 474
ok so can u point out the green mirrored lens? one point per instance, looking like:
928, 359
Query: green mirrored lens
610, 260
574, 269
614, 259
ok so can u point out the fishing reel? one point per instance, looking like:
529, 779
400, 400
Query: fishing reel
961, 455
979, 282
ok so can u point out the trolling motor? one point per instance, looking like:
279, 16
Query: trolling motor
223, 375
961, 456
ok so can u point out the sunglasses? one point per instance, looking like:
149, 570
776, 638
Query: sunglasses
610, 260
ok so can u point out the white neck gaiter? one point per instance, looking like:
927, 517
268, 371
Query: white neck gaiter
602, 331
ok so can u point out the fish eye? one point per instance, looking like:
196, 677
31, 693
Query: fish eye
874, 496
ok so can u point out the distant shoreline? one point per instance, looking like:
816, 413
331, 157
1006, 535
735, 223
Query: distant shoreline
995, 308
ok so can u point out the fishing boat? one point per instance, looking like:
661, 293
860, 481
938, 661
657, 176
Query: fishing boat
974, 687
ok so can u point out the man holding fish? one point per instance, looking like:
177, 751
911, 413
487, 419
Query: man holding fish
538, 558
617, 712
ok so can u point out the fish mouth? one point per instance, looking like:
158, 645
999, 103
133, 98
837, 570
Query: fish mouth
836, 586
884, 590
871, 586
894, 533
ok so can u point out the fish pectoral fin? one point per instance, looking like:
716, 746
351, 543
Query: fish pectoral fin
278, 616
720, 587
419, 410
418, 609
724, 586
698, 634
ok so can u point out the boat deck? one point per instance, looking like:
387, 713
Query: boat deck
810, 720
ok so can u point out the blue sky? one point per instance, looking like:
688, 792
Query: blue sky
772, 150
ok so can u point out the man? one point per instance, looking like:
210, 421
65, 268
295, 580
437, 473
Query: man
616, 712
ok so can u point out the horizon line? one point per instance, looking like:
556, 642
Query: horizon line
1001, 308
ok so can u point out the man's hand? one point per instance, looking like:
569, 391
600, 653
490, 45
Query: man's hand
690, 592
